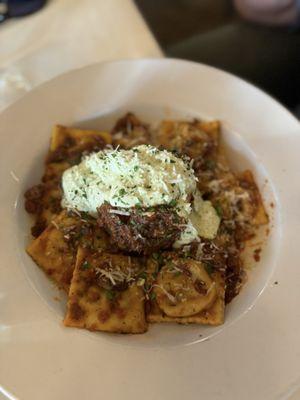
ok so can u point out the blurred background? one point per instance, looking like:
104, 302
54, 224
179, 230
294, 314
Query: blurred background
258, 40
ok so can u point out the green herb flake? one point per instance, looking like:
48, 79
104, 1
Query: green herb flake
143, 275
110, 294
154, 274
86, 265
152, 296
173, 203
209, 268
158, 258
219, 210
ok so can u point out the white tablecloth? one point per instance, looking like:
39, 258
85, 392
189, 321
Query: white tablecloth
68, 34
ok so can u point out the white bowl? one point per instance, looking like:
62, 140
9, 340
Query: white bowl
258, 133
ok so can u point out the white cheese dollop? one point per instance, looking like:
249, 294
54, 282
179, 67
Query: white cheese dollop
144, 176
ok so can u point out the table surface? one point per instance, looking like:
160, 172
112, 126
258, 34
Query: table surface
78, 33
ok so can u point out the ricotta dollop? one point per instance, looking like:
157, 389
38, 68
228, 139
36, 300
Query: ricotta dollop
142, 176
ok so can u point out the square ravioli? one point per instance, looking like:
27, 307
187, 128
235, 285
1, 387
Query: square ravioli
55, 249
156, 242
66, 149
174, 294
53, 254
75, 139
194, 139
104, 295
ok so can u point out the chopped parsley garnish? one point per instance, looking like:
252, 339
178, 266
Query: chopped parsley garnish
86, 265
219, 210
143, 275
152, 296
136, 167
123, 202
122, 192
158, 258
209, 268
154, 274
110, 294
173, 203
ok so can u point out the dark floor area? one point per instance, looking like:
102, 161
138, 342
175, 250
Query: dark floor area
210, 31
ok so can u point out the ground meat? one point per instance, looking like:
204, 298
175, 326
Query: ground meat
142, 232
84, 232
257, 255
234, 277
33, 197
61, 153
38, 227
200, 287
97, 144
129, 131
221, 255
72, 153
127, 124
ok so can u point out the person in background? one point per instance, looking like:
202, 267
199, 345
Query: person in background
270, 12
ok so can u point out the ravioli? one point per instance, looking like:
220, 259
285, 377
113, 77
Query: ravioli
212, 314
54, 251
66, 148
195, 139
93, 307
255, 204
117, 290
53, 254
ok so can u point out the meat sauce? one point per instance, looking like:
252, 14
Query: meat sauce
151, 231
143, 231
